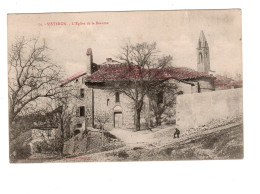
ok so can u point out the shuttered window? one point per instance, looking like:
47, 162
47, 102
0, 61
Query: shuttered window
82, 111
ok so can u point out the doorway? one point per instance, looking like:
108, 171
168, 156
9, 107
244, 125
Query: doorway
118, 119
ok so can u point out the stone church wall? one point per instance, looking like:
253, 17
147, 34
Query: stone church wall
105, 102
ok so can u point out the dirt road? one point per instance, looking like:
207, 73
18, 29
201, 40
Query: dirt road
221, 143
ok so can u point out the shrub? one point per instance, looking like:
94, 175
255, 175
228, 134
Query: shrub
123, 154
20, 151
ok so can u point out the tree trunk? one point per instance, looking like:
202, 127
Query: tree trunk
158, 121
62, 136
138, 119
11, 117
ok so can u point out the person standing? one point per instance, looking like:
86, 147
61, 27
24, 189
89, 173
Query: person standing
177, 133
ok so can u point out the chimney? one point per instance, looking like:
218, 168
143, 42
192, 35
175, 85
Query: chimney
109, 60
89, 61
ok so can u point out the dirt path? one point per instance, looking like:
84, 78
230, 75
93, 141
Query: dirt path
152, 145
139, 138
159, 137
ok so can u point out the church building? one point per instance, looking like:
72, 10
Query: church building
98, 96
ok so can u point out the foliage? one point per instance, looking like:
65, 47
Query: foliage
53, 146
19, 149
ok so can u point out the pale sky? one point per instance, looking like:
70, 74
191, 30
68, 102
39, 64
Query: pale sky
176, 33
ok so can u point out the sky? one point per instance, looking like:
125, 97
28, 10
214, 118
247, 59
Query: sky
176, 34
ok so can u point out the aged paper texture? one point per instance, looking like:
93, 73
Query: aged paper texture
125, 86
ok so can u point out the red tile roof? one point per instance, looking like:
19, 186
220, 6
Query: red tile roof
71, 78
222, 81
226, 82
237, 83
131, 72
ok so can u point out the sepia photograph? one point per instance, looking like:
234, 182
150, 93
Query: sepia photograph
125, 86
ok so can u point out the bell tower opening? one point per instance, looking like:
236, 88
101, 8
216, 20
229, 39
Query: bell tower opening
200, 57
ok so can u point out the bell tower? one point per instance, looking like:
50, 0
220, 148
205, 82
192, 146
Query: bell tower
89, 63
203, 64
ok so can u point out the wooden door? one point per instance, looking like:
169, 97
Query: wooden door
118, 120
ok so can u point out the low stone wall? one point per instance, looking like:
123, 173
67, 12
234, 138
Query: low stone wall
81, 143
90, 143
198, 110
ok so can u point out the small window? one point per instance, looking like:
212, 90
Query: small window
117, 97
76, 132
180, 93
81, 111
82, 93
107, 101
79, 125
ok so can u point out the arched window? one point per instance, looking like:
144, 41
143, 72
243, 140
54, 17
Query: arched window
117, 97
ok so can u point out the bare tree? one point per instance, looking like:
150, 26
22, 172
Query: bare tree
143, 63
102, 117
32, 75
61, 103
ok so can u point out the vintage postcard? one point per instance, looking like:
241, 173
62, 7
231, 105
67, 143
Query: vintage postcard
125, 86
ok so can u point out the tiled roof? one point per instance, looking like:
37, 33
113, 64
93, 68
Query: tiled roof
226, 82
131, 72
222, 81
237, 83
71, 78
